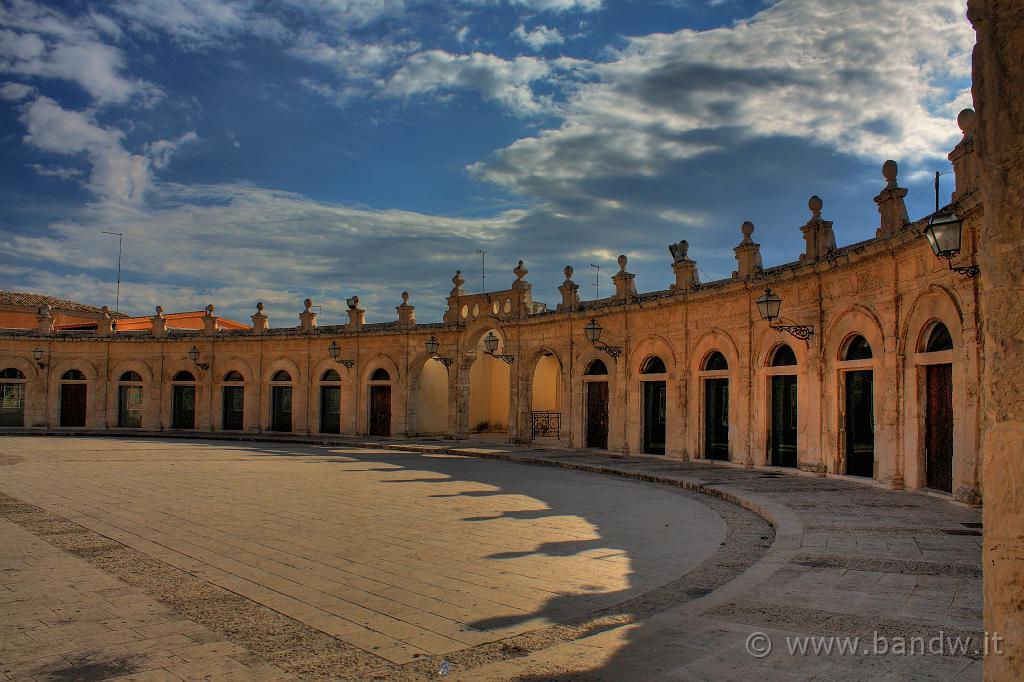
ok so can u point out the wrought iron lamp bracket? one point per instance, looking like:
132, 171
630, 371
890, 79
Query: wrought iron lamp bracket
614, 351
800, 331
504, 357
447, 362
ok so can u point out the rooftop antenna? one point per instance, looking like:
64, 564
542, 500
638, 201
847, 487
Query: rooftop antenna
937, 174
120, 241
597, 281
483, 271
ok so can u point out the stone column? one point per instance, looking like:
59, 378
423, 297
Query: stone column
998, 84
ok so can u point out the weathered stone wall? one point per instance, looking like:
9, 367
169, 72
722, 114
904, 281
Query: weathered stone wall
999, 100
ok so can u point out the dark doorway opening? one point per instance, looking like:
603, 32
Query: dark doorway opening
380, 410
784, 414
330, 409
72, 404
716, 419
860, 421
654, 417
280, 408
234, 408
597, 414
183, 407
939, 427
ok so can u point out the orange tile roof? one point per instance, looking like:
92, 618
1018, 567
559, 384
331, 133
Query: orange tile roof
30, 300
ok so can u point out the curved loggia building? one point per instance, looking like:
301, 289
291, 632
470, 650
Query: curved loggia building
858, 360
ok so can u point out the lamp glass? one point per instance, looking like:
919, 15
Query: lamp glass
193, 353
38, 354
334, 349
593, 331
432, 345
943, 234
769, 305
490, 342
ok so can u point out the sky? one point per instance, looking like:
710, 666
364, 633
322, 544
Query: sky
273, 150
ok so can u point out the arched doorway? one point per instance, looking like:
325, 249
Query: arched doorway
74, 396
653, 376
183, 400
595, 379
330, 402
12, 397
380, 402
783, 408
233, 399
715, 375
858, 403
129, 400
488, 390
938, 416
546, 398
432, 399
281, 401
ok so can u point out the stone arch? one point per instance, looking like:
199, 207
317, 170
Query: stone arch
857, 319
395, 380
544, 387
173, 365
766, 343
486, 384
430, 395
94, 415
34, 407
150, 392
250, 393
654, 344
714, 339
300, 414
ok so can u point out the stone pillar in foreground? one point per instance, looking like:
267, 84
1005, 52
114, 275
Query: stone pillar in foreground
999, 139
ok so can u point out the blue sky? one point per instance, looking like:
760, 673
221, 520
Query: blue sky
278, 149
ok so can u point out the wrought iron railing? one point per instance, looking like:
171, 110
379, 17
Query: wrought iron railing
546, 423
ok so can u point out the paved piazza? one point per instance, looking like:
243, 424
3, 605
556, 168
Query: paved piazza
178, 559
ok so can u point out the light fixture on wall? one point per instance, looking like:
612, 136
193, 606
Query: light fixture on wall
38, 355
335, 351
593, 331
491, 345
769, 306
944, 231
193, 354
432, 346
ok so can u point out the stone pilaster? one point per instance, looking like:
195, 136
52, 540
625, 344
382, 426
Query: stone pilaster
891, 208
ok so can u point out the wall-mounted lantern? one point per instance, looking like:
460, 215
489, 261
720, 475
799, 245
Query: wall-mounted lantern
432, 346
593, 331
769, 306
944, 232
37, 354
491, 345
193, 354
335, 352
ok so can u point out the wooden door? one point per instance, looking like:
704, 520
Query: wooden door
597, 414
716, 419
654, 417
281, 408
938, 422
380, 410
860, 423
330, 409
183, 407
783, 433
72, 404
234, 408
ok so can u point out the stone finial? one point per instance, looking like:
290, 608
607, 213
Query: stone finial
965, 161
44, 320
748, 254
406, 312
209, 321
105, 326
259, 321
458, 280
684, 268
625, 288
307, 318
819, 239
891, 207
520, 272
569, 291
356, 315
159, 322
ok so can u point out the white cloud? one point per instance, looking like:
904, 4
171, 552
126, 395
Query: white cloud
538, 38
199, 24
502, 80
117, 174
42, 42
15, 92
60, 172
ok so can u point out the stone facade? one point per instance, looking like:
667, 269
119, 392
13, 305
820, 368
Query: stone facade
890, 290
